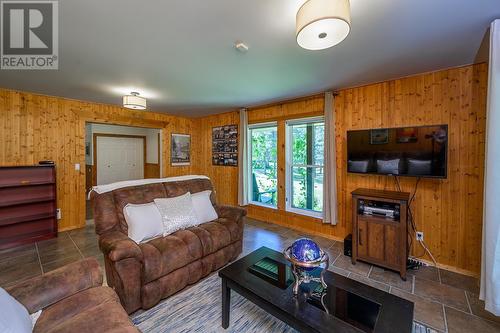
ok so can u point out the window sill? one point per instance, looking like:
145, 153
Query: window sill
260, 204
305, 212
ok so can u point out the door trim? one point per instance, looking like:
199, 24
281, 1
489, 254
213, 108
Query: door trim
96, 135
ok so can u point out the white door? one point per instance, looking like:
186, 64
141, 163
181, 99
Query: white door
119, 158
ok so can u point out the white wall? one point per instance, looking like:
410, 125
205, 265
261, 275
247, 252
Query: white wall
150, 134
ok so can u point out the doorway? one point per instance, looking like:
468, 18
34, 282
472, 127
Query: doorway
118, 153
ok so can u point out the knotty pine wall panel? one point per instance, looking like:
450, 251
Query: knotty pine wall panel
36, 127
448, 211
224, 178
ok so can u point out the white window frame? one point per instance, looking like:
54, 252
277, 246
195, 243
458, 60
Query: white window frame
289, 165
249, 159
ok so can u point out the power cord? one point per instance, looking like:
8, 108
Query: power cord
412, 220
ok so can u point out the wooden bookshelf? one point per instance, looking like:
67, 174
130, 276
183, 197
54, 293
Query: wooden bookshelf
27, 204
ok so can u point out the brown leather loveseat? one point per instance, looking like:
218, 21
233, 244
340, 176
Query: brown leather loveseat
72, 299
143, 274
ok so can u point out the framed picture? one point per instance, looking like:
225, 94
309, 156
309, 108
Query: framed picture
379, 136
225, 145
407, 135
180, 153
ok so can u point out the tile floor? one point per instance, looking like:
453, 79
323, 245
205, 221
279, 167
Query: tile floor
444, 300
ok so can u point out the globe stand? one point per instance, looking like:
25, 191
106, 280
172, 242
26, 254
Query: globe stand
300, 272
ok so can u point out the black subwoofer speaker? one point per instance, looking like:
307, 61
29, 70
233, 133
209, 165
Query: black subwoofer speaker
348, 245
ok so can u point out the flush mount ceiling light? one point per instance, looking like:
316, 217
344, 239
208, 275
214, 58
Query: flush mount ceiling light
134, 101
323, 23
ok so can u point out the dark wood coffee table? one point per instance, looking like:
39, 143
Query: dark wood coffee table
355, 307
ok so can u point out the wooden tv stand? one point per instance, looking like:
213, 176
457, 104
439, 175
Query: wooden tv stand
379, 239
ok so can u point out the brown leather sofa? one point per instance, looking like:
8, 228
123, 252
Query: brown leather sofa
143, 274
73, 300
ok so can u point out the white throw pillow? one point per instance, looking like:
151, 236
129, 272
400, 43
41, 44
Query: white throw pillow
177, 213
14, 318
144, 221
203, 207
34, 317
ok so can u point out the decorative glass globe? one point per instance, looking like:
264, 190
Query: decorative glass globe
305, 250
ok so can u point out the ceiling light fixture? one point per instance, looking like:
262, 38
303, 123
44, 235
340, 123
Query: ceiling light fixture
322, 24
134, 101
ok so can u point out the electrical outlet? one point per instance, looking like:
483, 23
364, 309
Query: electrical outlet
58, 213
420, 236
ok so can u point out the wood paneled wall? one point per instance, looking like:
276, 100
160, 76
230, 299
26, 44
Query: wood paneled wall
224, 178
449, 211
35, 127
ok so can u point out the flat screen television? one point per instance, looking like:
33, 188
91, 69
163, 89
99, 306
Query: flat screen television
405, 151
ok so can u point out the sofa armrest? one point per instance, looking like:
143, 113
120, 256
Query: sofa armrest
42, 291
117, 246
230, 212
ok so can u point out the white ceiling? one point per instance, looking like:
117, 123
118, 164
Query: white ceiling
180, 53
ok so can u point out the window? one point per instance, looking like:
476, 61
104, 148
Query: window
263, 168
305, 161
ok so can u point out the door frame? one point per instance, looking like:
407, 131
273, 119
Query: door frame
96, 135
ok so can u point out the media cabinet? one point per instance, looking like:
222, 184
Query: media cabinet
380, 223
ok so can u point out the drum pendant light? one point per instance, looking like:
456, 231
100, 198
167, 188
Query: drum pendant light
322, 24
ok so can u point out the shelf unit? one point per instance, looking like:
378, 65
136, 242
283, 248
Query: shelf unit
381, 240
28, 203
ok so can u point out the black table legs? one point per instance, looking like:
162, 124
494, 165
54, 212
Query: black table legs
226, 303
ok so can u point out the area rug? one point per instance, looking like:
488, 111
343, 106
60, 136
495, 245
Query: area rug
198, 309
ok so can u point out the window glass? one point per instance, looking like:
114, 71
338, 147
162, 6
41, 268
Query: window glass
263, 166
306, 154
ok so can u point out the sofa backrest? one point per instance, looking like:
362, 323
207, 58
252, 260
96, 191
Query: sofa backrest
108, 207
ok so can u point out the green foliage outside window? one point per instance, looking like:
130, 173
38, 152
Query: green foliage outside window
264, 162
302, 165
263, 143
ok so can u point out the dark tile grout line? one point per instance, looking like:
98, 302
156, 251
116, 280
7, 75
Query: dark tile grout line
369, 272
468, 303
38, 256
445, 319
77, 248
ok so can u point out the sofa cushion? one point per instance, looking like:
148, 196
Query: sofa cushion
135, 195
177, 213
166, 254
217, 234
220, 235
144, 221
203, 207
83, 313
174, 189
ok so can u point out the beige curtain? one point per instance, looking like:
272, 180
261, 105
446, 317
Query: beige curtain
330, 174
490, 265
243, 159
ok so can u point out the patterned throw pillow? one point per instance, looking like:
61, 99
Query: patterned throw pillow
177, 213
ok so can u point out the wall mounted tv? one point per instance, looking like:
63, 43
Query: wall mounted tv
406, 151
